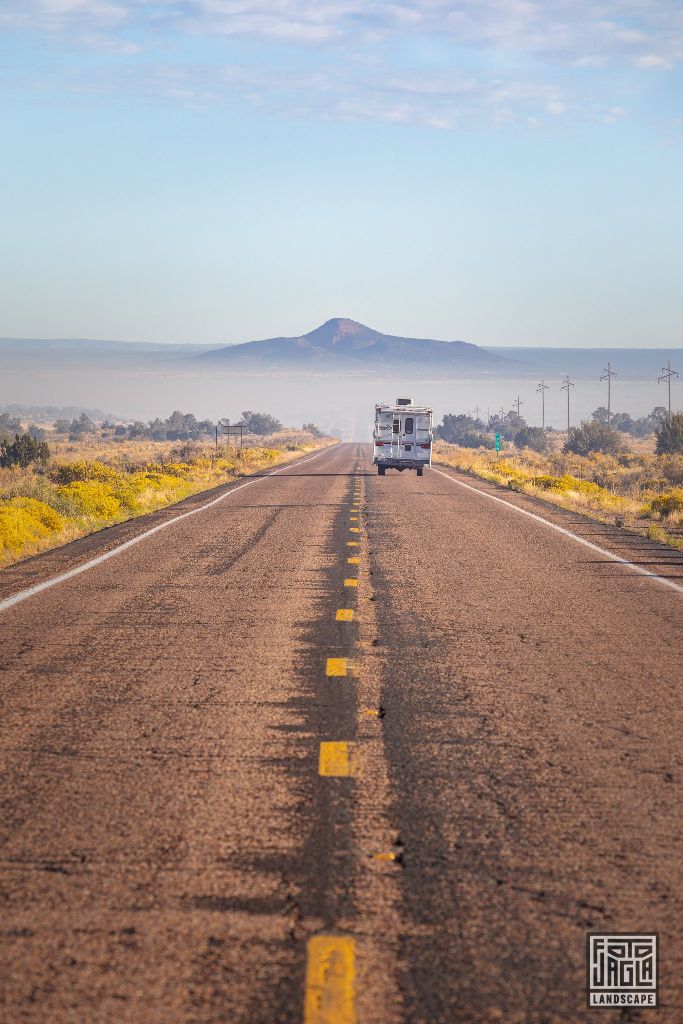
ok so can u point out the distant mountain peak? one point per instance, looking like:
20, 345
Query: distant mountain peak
343, 344
338, 328
343, 323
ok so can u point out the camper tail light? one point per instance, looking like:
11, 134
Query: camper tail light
379, 444
427, 445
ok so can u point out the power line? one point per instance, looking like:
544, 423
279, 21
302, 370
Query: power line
607, 375
567, 385
518, 402
667, 374
543, 387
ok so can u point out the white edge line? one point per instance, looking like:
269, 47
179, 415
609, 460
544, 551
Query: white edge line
23, 595
567, 533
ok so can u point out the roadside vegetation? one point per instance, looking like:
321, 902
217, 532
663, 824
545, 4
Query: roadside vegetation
638, 490
53, 491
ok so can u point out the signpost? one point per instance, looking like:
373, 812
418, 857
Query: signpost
232, 430
497, 442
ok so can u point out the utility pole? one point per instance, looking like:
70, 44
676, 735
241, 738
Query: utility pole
518, 402
477, 410
543, 387
607, 375
567, 384
667, 374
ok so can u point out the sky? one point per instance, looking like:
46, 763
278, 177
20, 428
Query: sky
499, 171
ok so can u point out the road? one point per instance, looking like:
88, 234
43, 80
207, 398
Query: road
246, 780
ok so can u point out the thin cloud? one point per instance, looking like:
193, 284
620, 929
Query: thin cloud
507, 61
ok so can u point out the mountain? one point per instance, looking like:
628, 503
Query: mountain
343, 344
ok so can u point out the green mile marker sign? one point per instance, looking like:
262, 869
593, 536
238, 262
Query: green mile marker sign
497, 442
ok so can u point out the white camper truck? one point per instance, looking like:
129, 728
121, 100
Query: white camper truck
402, 436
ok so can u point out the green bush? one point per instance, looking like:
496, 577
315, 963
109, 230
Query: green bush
24, 451
594, 436
534, 438
669, 434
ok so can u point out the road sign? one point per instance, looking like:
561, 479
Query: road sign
497, 442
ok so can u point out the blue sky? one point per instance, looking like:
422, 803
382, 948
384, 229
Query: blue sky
501, 171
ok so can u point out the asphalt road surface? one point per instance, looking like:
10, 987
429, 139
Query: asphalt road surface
339, 748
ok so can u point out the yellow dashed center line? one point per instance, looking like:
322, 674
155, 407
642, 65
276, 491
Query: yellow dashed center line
344, 615
352, 544
353, 560
330, 978
354, 529
335, 759
350, 582
337, 666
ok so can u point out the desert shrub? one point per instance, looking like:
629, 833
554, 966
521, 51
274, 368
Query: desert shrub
594, 436
68, 472
186, 452
23, 451
24, 521
476, 441
92, 498
665, 504
40, 510
535, 438
669, 434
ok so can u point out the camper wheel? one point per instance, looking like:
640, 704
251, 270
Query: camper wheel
419, 470
381, 470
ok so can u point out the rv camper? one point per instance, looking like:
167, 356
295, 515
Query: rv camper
402, 436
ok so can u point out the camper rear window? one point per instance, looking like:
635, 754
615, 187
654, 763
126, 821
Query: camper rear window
397, 426
408, 429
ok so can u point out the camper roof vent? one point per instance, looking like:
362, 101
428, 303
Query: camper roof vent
404, 401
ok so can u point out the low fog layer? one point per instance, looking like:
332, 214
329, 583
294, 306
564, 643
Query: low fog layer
342, 406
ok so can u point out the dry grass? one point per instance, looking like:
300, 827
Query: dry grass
95, 483
638, 491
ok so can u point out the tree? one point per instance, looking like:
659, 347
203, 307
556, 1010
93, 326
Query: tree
260, 423
669, 434
23, 451
455, 427
62, 426
593, 436
508, 425
535, 438
35, 431
82, 425
311, 428
9, 425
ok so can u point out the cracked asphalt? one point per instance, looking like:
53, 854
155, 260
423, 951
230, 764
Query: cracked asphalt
512, 710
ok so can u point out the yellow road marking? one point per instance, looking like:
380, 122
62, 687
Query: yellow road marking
385, 856
350, 582
344, 614
353, 519
354, 529
337, 666
335, 759
330, 978
353, 560
352, 544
